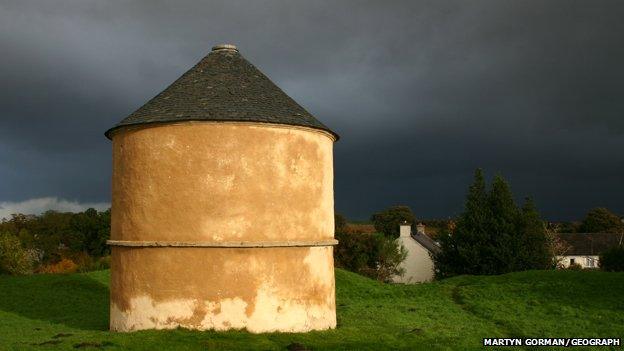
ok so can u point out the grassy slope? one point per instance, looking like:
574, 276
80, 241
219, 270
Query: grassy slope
71, 312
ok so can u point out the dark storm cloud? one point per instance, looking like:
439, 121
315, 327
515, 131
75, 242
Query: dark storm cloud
422, 92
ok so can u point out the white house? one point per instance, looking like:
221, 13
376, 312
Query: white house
585, 248
418, 264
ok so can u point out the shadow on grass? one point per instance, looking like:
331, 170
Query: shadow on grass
74, 300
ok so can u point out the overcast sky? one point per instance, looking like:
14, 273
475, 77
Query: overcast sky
421, 92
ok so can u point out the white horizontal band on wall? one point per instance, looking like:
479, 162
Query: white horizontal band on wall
230, 244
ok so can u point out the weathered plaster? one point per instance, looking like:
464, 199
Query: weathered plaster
210, 181
261, 290
222, 182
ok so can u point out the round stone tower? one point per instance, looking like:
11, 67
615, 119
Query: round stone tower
222, 207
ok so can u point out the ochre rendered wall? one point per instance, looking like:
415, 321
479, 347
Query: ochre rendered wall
209, 183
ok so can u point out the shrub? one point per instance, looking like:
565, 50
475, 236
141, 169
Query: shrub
83, 261
372, 255
355, 251
102, 263
87, 263
13, 258
390, 255
612, 260
575, 267
65, 265
557, 249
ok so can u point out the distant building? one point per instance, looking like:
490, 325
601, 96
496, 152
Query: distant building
418, 264
585, 248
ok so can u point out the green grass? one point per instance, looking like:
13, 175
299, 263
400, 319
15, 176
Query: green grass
70, 312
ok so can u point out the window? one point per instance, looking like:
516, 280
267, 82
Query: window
571, 261
591, 262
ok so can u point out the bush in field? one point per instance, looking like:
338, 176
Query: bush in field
612, 260
87, 263
101, 263
65, 265
575, 267
372, 255
14, 259
354, 251
390, 255
388, 221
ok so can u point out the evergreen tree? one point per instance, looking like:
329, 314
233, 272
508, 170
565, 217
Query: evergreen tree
501, 229
462, 250
493, 236
477, 211
533, 249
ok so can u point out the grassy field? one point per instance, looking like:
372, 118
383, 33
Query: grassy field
71, 312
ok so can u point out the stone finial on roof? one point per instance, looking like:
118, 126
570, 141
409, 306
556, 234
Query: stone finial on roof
225, 47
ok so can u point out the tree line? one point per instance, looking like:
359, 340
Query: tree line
54, 241
493, 235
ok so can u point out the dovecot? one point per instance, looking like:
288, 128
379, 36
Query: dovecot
222, 207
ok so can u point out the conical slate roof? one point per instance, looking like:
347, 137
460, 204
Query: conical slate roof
223, 86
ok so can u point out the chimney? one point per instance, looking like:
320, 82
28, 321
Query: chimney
405, 230
420, 228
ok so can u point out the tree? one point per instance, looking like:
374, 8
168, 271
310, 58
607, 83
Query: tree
373, 255
387, 222
504, 215
340, 223
52, 233
390, 256
463, 249
557, 248
13, 258
355, 251
89, 231
536, 247
56, 235
477, 209
601, 220
493, 235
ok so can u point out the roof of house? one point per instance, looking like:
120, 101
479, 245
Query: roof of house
426, 242
590, 243
223, 86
